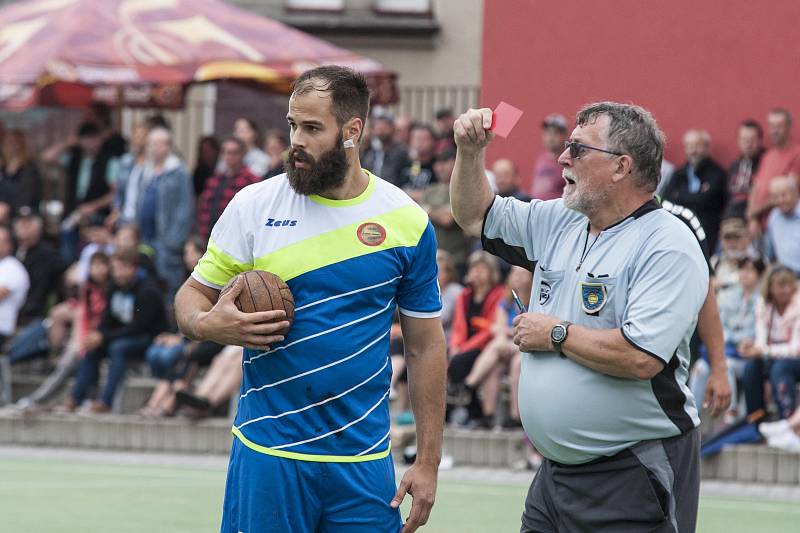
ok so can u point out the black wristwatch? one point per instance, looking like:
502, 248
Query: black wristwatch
559, 334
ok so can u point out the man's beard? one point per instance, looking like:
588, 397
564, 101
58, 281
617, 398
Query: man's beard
585, 202
321, 175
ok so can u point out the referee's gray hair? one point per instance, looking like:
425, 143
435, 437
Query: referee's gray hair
632, 130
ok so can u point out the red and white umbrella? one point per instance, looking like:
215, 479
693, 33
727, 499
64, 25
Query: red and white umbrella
145, 52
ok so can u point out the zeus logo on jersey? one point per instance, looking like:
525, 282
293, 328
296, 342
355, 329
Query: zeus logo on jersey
275, 222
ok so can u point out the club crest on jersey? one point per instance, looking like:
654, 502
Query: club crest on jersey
544, 292
593, 297
371, 234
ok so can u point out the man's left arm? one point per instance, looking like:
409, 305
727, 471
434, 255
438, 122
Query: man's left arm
426, 361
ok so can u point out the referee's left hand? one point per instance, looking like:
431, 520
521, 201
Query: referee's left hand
532, 332
420, 482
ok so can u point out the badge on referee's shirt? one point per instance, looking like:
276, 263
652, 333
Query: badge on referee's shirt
593, 297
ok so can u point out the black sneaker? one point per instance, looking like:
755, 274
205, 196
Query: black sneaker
511, 423
196, 402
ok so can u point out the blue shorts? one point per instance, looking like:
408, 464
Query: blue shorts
267, 494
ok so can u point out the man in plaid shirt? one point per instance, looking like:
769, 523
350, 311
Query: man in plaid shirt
220, 188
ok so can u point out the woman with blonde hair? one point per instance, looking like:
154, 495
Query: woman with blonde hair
776, 349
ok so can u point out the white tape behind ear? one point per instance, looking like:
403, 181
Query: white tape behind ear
348, 143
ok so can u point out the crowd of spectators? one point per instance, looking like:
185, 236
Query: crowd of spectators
99, 283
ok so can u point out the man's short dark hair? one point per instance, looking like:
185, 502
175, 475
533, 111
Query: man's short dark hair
279, 134
443, 113
88, 129
102, 113
99, 256
754, 125
237, 141
157, 121
348, 89
423, 126
783, 111
127, 255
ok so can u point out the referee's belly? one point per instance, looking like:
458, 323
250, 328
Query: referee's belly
574, 414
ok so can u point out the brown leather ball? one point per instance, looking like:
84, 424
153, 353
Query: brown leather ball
263, 291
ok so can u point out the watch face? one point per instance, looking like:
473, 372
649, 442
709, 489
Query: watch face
559, 333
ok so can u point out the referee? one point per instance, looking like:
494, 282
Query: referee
618, 284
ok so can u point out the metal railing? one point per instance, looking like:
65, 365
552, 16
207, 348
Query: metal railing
421, 103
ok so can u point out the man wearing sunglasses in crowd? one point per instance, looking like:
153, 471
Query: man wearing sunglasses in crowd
618, 285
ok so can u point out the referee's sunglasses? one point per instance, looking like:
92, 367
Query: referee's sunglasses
576, 149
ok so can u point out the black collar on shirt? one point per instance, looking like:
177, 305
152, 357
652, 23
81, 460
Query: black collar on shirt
647, 207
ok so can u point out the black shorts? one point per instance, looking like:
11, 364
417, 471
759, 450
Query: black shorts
652, 486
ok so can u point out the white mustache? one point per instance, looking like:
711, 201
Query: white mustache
568, 175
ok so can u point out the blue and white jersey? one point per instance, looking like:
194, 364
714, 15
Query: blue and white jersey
322, 394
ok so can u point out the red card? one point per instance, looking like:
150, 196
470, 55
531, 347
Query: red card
504, 118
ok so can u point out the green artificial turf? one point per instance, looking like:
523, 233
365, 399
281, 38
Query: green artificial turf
41, 496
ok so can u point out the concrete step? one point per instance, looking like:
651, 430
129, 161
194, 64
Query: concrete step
117, 432
133, 394
744, 463
485, 448
753, 463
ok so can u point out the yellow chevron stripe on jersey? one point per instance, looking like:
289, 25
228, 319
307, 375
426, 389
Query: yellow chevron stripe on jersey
217, 267
406, 225
310, 457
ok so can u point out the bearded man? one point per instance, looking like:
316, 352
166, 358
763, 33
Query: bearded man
312, 451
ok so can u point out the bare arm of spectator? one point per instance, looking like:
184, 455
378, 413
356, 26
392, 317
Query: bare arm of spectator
709, 327
51, 154
470, 194
202, 315
89, 208
427, 366
500, 325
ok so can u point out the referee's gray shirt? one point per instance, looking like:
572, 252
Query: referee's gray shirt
645, 275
